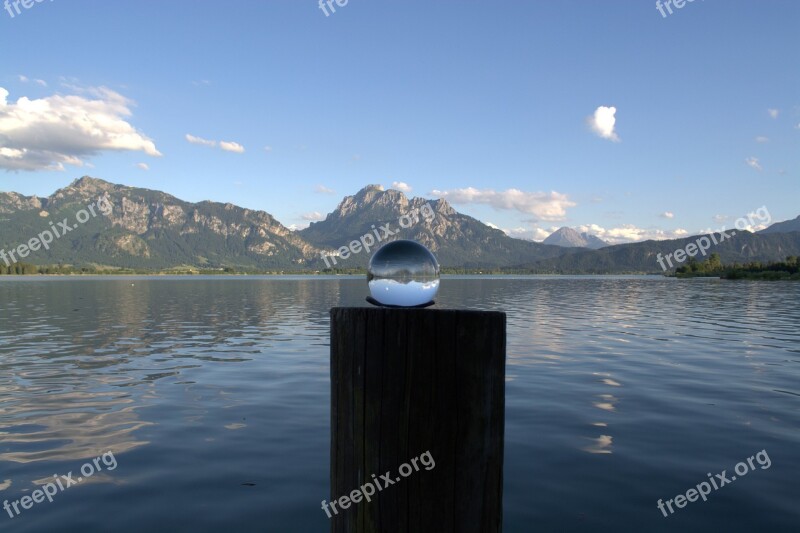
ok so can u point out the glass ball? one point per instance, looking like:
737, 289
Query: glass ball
403, 273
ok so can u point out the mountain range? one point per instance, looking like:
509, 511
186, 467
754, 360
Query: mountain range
147, 229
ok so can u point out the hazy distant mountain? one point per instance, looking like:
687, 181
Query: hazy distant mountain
642, 256
783, 227
149, 229
457, 240
570, 238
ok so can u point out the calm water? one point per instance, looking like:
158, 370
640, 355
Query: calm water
213, 396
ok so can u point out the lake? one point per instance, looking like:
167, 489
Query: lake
212, 395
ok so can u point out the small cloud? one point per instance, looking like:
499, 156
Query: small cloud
719, 219
231, 147
544, 205
540, 234
493, 226
197, 83
773, 112
25, 79
313, 216
667, 214
268, 149
199, 140
323, 190
603, 121
224, 145
528, 234
401, 186
762, 139
143, 166
752, 162
519, 233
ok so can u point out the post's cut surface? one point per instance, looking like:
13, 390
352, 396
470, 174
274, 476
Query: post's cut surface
409, 381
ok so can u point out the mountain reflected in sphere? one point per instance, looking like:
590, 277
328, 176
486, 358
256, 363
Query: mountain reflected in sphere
403, 273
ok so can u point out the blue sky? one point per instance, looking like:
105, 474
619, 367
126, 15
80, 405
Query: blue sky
488, 104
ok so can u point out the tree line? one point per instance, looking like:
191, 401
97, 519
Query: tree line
713, 267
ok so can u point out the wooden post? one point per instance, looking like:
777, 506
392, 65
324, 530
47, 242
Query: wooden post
409, 381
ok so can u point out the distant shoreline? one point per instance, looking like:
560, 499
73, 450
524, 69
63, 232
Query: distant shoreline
28, 269
312, 274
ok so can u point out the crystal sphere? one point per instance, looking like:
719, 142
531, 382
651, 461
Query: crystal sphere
403, 273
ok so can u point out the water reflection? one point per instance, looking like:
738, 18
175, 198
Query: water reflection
620, 379
80, 360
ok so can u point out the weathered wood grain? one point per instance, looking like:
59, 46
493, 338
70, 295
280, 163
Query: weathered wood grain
407, 381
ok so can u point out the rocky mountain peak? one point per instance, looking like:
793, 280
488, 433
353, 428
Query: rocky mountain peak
91, 185
568, 237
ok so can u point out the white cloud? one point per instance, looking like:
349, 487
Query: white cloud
323, 190
667, 214
540, 234
762, 139
46, 133
25, 79
519, 233
199, 140
742, 227
143, 166
493, 226
401, 186
313, 216
752, 162
224, 145
529, 234
773, 112
545, 206
603, 122
630, 233
231, 147
268, 149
